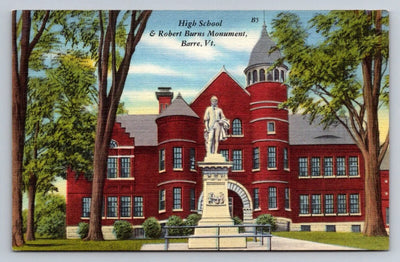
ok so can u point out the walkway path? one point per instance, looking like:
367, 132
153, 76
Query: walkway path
278, 244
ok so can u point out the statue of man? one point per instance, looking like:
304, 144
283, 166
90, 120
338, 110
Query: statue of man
216, 126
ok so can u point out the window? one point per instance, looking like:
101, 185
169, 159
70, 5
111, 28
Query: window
225, 153
328, 204
387, 216
269, 76
138, 206
237, 160
254, 76
177, 157
256, 158
125, 167
316, 204
192, 159
282, 76
285, 158
315, 166
248, 78
272, 197
177, 198
287, 198
305, 228
328, 166
303, 167
113, 143
304, 204
271, 128
356, 228
236, 127
340, 166
161, 162
192, 205
256, 198
262, 75
276, 75
86, 206
341, 204
330, 228
112, 206
125, 206
353, 166
112, 167
354, 204
161, 200
271, 157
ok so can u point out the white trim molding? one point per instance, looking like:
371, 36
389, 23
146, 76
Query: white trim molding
265, 101
269, 181
177, 140
269, 118
270, 140
177, 181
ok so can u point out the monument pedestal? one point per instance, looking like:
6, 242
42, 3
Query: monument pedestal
216, 207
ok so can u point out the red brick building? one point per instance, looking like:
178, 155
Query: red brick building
308, 177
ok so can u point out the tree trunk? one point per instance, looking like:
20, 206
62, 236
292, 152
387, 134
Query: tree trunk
30, 222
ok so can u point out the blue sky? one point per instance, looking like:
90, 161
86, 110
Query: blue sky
163, 61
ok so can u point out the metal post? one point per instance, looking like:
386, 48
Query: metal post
255, 233
218, 231
166, 239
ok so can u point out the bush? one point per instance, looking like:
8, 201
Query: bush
122, 230
83, 230
52, 226
151, 227
238, 221
191, 220
266, 219
175, 221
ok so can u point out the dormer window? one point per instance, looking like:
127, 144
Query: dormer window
262, 75
254, 76
113, 143
276, 75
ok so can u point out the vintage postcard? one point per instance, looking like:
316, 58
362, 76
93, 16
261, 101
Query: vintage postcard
141, 130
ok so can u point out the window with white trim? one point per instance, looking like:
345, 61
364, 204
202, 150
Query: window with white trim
340, 166
236, 127
315, 166
192, 159
303, 166
161, 162
354, 204
256, 158
86, 206
125, 206
125, 167
304, 204
113, 143
177, 153
138, 206
271, 157
112, 169
287, 198
237, 160
112, 206
353, 166
161, 200
316, 204
256, 198
285, 158
192, 204
329, 206
328, 166
272, 201
270, 127
341, 204
177, 195
225, 153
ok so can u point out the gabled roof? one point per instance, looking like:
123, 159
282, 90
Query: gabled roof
178, 107
302, 133
142, 127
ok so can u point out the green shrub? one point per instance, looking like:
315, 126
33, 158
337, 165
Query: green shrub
152, 228
175, 221
238, 221
122, 229
52, 226
266, 219
83, 230
191, 220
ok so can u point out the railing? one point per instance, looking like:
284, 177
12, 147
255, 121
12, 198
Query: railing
254, 234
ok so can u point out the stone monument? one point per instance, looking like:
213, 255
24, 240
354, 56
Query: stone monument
215, 186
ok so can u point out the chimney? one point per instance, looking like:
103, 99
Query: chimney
164, 97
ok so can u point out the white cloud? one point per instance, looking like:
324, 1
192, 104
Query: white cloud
155, 69
174, 46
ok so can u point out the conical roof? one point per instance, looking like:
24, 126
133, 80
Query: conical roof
260, 53
178, 107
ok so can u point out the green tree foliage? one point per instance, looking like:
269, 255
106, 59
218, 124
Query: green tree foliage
83, 229
238, 221
152, 228
266, 219
191, 220
342, 78
122, 229
175, 221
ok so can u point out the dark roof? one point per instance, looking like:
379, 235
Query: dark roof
178, 107
302, 133
142, 127
260, 53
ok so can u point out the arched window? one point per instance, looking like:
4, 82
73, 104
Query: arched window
254, 76
282, 76
236, 127
248, 78
262, 75
276, 75
113, 143
269, 76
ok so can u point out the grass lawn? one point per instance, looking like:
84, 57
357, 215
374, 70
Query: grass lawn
343, 239
80, 245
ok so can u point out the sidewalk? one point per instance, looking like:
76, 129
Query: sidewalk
277, 244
